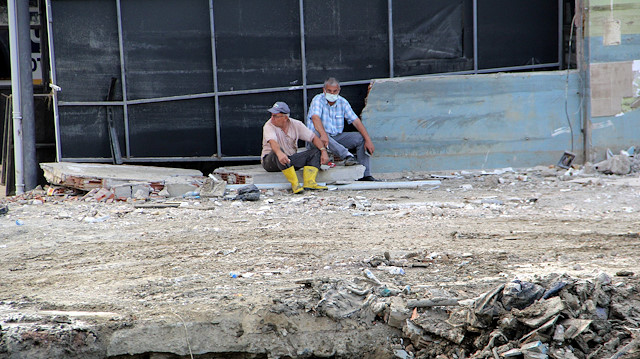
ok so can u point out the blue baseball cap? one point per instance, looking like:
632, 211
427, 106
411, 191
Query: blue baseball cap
280, 107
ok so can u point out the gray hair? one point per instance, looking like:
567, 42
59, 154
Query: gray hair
331, 81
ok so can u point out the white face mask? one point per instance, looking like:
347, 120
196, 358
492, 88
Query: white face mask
331, 97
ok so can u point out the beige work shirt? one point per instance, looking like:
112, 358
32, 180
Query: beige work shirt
288, 141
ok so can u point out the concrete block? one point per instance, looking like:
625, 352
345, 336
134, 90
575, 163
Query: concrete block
213, 187
398, 313
179, 185
122, 191
179, 189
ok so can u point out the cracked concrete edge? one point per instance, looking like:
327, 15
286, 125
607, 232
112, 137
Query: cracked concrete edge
275, 335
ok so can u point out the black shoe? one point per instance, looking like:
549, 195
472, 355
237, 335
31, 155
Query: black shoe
368, 178
350, 161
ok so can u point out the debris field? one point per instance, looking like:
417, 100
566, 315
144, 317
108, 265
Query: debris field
511, 263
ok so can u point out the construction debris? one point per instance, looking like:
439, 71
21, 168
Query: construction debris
583, 318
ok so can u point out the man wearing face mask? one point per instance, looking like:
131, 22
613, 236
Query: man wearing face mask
326, 116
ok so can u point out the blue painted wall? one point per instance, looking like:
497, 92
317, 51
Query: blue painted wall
472, 121
615, 133
628, 50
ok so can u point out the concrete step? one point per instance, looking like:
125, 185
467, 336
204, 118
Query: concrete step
257, 175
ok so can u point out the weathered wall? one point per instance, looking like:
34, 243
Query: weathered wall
472, 122
614, 67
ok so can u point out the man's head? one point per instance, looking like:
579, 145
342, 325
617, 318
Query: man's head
279, 113
331, 89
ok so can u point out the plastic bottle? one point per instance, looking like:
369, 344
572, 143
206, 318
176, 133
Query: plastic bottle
19, 222
233, 274
370, 275
395, 270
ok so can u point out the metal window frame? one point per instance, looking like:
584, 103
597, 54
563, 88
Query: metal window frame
216, 94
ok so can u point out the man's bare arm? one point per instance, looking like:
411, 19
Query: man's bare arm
317, 124
368, 144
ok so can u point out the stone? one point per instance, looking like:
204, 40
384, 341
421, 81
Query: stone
213, 186
398, 313
178, 186
618, 164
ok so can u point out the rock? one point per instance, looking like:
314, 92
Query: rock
398, 313
618, 164
603, 278
213, 187
540, 312
535, 350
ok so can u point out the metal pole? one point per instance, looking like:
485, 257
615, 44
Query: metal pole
582, 56
15, 96
560, 34
214, 63
30, 165
390, 13
475, 36
52, 67
123, 79
303, 59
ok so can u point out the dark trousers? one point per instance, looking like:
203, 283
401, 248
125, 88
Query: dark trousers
310, 157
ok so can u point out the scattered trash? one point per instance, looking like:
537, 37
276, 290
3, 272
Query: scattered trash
394, 270
4, 209
96, 219
566, 160
19, 222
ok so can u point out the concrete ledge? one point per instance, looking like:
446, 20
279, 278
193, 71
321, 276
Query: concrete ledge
257, 175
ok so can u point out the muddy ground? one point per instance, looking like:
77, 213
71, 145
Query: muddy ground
102, 272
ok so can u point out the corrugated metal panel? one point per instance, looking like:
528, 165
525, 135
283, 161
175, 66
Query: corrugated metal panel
468, 122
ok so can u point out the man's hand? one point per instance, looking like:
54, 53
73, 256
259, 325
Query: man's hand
368, 145
284, 159
324, 138
324, 157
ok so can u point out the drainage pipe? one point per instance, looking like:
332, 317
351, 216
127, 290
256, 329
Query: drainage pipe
15, 96
30, 164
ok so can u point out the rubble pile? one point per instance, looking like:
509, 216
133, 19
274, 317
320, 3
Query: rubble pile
561, 318
556, 317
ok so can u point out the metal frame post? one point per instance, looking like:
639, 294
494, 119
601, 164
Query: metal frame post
475, 36
390, 15
53, 79
15, 96
214, 64
123, 77
560, 33
303, 58
23, 32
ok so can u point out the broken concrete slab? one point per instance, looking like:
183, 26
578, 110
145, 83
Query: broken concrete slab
255, 174
87, 176
213, 187
618, 164
178, 186
539, 312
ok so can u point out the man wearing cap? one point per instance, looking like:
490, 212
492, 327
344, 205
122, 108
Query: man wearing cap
326, 116
280, 137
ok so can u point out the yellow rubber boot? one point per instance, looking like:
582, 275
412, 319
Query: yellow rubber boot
309, 174
292, 177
